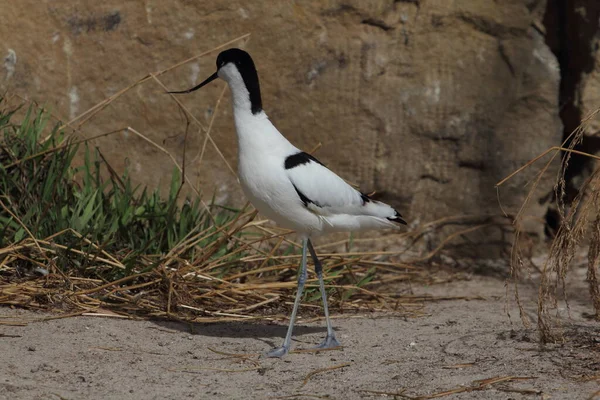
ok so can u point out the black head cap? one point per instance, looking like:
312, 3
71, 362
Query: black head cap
244, 64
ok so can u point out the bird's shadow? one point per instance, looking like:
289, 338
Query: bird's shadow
238, 329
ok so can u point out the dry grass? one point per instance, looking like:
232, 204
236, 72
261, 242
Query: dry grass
579, 229
255, 281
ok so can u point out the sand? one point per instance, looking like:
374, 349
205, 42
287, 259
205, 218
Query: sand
457, 343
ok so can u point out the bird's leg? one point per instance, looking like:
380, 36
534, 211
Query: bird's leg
283, 350
330, 341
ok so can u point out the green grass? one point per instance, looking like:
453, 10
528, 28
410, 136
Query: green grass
43, 194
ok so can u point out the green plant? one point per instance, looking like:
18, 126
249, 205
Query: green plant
44, 196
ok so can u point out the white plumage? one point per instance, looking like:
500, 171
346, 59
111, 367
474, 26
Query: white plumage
329, 205
287, 185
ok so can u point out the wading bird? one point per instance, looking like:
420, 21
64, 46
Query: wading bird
289, 186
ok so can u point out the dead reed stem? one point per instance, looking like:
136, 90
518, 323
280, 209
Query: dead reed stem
579, 228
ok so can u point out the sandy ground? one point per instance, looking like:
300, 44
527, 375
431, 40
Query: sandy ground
457, 343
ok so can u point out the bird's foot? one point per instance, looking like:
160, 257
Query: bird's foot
330, 342
278, 352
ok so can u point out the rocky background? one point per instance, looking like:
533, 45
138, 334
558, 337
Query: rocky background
427, 102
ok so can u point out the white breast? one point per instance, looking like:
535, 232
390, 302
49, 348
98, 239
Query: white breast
268, 188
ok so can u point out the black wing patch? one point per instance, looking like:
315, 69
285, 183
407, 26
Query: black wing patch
299, 159
365, 199
305, 200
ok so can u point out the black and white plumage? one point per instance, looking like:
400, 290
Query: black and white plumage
289, 186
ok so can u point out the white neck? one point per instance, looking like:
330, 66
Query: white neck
239, 95
239, 92
256, 134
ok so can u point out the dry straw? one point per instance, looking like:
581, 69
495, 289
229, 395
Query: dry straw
579, 228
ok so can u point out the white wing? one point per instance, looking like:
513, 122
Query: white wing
322, 191
326, 194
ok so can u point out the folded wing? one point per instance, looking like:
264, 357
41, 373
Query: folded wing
325, 193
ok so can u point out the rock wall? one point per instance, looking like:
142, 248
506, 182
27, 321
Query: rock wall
573, 34
427, 102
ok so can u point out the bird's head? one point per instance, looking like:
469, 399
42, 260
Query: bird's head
236, 67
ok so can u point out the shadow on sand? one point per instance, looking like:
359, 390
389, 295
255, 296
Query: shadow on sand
267, 333
239, 329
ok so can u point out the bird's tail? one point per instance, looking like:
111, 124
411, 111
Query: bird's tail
397, 218
379, 209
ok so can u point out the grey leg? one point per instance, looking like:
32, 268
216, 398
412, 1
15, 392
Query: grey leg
330, 341
283, 350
